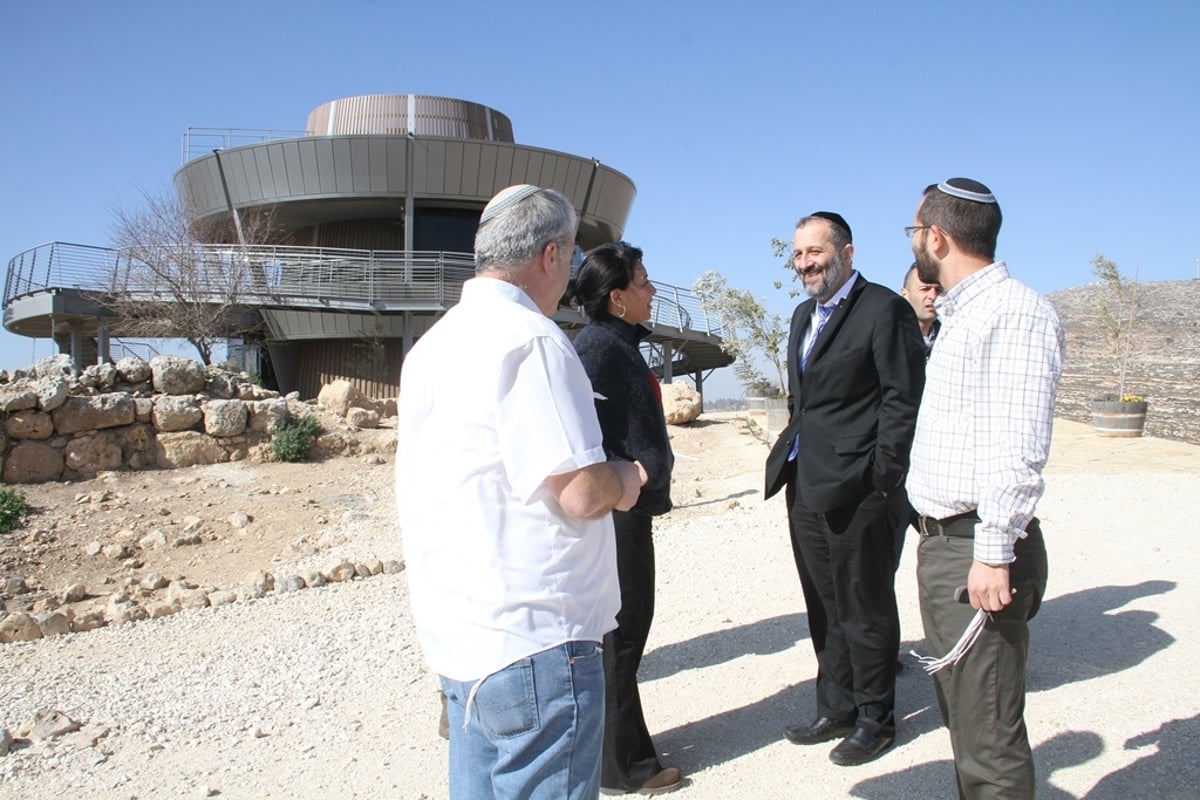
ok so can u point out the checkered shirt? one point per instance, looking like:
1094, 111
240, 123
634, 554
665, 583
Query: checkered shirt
983, 431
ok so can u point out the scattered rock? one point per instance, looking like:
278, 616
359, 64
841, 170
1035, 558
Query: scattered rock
115, 551
341, 572
19, 627
153, 540
48, 724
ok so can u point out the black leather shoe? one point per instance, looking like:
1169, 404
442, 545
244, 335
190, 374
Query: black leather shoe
822, 729
861, 746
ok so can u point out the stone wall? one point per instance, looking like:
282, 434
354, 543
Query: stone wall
1164, 366
60, 424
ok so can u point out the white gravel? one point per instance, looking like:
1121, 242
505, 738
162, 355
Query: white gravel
322, 693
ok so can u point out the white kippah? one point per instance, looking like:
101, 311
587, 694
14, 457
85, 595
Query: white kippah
967, 189
507, 198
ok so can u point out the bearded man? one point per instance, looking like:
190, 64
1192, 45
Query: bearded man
856, 367
983, 437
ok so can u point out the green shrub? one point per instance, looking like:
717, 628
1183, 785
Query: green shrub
294, 439
13, 509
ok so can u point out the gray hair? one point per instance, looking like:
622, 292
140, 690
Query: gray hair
517, 234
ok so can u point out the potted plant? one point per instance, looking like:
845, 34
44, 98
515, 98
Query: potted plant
1119, 414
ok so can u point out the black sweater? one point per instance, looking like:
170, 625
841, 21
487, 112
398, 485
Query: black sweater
631, 418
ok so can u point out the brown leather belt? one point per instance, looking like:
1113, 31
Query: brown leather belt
961, 525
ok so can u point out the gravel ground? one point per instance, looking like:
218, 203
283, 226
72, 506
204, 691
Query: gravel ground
322, 693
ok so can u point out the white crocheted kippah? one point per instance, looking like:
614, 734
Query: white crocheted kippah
507, 198
967, 189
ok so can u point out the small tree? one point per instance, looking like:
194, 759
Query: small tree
1117, 308
748, 329
166, 283
783, 250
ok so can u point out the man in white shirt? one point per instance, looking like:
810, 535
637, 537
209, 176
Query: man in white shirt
983, 436
504, 496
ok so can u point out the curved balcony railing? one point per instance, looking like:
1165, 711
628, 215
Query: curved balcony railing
268, 275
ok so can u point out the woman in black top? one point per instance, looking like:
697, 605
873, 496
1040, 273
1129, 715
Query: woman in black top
616, 294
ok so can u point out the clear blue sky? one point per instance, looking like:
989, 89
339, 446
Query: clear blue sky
733, 119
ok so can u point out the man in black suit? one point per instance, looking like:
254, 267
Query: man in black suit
856, 367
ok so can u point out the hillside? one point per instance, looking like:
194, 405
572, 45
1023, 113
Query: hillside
1165, 364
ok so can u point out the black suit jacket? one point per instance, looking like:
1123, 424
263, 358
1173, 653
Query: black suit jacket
855, 406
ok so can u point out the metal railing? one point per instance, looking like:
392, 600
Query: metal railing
273, 275
199, 142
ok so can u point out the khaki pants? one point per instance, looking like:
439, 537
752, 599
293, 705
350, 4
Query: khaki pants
982, 698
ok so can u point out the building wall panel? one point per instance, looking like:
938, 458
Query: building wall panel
485, 175
377, 166
325, 167
470, 168
397, 165
293, 167
321, 170
453, 169
342, 182
235, 166
519, 169
262, 171
278, 188
435, 169
371, 366
360, 166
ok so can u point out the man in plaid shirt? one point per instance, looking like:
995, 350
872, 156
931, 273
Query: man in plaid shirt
983, 435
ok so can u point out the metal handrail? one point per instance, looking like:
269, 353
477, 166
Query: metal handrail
278, 275
199, 142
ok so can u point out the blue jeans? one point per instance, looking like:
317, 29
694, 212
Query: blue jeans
536, 728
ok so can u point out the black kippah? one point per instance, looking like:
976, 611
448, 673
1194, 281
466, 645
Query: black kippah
836, 219
967, 189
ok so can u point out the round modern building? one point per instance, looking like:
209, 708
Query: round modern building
353, 239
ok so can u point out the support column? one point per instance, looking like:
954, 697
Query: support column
668, 358
102, 342
77, 344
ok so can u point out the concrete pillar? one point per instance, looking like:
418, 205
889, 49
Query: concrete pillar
102, 341
77, 355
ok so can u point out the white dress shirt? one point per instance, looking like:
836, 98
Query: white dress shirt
493, 399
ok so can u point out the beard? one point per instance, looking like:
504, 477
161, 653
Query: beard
927, 268
832, 277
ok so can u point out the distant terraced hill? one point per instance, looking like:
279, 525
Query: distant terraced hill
1164, 366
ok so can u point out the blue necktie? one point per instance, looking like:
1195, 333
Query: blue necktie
823, 315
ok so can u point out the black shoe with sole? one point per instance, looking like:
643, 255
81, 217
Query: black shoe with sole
862, 746
822, 729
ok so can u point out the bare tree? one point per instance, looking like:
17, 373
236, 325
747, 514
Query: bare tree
168, 283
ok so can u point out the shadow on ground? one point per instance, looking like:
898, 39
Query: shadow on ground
762, 637
936, 779
1065, 649
1170, 771
1078, 636
734, 496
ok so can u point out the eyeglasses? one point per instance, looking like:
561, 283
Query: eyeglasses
911, 229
